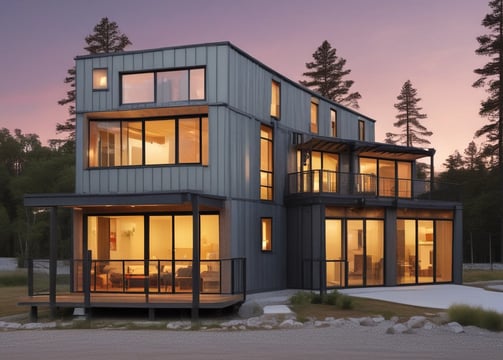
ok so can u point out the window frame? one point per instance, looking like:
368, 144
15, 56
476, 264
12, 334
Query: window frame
98, 87
333, 122
268, 173
266, 244
361, 130
314, 123
275, 107
155, 85
203, 142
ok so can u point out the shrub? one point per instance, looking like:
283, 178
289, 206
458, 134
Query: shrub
345, 302
331, 298
476, 316
301, 298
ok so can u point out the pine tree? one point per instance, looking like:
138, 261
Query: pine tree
491, 45
106, 38
326, 75
409, 114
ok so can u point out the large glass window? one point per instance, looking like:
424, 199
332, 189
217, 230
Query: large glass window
334, 253
424, 251
137, 88
162, 141
275, 99
172, 85
319, 171
383, 176
266, 163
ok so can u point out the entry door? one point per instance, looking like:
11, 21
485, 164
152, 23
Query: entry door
334, 252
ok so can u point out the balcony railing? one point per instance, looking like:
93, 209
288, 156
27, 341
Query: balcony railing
340, 183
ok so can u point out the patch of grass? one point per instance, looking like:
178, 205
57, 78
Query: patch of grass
476, 316
482, 275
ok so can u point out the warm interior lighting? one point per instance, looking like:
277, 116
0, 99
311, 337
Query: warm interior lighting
100, 79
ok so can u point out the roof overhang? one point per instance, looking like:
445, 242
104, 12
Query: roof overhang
363, 148
151, 200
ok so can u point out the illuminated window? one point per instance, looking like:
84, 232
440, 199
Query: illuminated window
172, 85
275, 99
361, 130
333, 122
148, 142
266, 243
266, 163
382, 177
137, 88
100, 79
314, 117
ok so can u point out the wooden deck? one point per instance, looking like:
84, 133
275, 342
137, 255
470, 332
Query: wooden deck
152, 301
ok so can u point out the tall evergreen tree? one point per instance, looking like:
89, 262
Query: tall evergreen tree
106, 38
491, 45
326, 76
409, 116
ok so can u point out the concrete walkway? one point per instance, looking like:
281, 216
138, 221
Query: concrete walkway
434, 296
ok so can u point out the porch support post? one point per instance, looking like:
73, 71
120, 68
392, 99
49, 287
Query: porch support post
53, 263
195, 258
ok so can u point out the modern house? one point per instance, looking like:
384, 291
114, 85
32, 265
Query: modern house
203, 174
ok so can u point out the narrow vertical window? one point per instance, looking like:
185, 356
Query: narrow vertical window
266, 243
100, 79
333, 122
361, 130
275, 99
266, 163
314, 117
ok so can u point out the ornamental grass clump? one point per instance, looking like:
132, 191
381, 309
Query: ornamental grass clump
476, 316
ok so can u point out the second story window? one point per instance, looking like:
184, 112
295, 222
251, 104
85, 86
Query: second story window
314, 117
333, 122
172, 141
275, 99
100, 79
361, 130
163, 86
266, 163
385, 177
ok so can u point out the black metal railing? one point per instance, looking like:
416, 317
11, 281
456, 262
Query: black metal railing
341, 183
154, 276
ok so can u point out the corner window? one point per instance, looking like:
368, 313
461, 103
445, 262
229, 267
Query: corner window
314, 117
333, 122
164, 86
275, 99
361, 130
100, 79
266, 163
148, 142
266, 231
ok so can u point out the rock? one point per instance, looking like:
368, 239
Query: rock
179, 325
455, 327
233, 323
9, 325
378, 319
250, 309
416, 322
320, 324
395, 319
289, 324
367, 322
428, 325
397, 329
36, 326
254, 322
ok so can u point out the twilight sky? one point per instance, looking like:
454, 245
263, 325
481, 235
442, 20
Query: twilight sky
385, 42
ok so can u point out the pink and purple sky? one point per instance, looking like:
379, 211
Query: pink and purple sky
385, 43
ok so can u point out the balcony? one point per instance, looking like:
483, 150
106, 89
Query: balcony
367, 185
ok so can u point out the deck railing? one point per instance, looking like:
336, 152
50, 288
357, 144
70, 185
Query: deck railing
365, 185
154, 276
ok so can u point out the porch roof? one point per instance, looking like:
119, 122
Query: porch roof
107, 200
364, 148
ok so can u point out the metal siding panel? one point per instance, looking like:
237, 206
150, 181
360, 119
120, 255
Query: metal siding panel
79, 85
166, 179
138, 62
180, 58
175, 178
123, 180
138, 177
190, 57
113, 180
200, 55
157, 179
128, 62
211, 75
117, 68
148, 181
169, 58
87, 84
223, 68
148, 60
131, 181
158, 60
94, 181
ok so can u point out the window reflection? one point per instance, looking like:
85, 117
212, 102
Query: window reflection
137, 88
172, 85
197, 85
